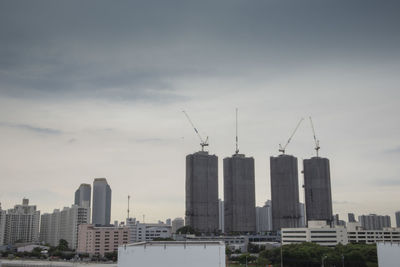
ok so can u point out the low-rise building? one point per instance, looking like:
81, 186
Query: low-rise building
177, 223
357, 234
317, 232
98, 240
139, 232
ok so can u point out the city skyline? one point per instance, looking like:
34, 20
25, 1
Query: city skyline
92, 95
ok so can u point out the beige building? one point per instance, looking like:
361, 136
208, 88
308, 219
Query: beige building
98, 240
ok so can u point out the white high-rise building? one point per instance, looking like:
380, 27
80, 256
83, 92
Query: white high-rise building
176, 224
302, 222
101, 202
64, 225
2, 225
374, 222
264, 218
22, 224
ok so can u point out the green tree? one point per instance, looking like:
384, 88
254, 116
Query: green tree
62, 245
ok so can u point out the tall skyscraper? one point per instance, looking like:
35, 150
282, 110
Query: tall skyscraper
101, 202
202, 192
22, 224
302, 219
264, 217
284, 192
374, 222
317, 189
2, 225
351, 217
83, 195
239, 194
221, 216
398, 219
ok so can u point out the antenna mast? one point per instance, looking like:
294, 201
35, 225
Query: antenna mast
237, 146
283, 149
202, 142
129, 198
317, 147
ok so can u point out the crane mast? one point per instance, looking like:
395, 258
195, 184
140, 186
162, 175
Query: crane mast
237, 139
203, 143
283, 149
317, 147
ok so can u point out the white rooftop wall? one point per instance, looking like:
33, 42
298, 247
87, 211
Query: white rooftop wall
388, 254
177, 254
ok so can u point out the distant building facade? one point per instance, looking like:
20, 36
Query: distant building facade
22, 224
302, 219
239, 194
139, 232
98, 240
202, 192
221, 216
284, 192
63, 224
176, 224
374, 222
101, 202
264, 217
2, 225
351, 217
398, 219
317, 189
83, 195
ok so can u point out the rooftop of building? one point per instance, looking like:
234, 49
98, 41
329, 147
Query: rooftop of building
181, 243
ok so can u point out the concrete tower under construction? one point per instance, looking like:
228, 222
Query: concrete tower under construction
239, 194
202, 192
317, 187
284, 192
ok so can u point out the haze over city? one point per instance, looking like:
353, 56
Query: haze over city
91, 91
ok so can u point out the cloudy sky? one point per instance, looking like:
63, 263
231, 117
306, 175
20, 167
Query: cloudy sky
97, 88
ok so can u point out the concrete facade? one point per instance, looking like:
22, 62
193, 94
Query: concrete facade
221, 216
83, 195
177, 223
398, 219
2, 225
22, 224
177, 254
202, 192
388, 254
317, 189
374, 222
264, 217
351, 217
63, 225
284, 192
101, 210
239, 194
95, 240
139, 232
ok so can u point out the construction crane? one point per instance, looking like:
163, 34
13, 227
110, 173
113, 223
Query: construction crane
203, 143
283, 149
237, 139
317, 147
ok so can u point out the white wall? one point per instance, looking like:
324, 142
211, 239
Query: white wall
177, 255
388, 254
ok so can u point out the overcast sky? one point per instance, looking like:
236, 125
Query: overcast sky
97, 88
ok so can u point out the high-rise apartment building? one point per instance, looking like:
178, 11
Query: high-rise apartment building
177, 223
101, 202
139, 232
351, 217
22, 224
264, 217
221, 216
398, 219
2, 225
284, 192
83, 195
202, 192
317, 189
302, 219
63, 225
239, 194
374, 222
